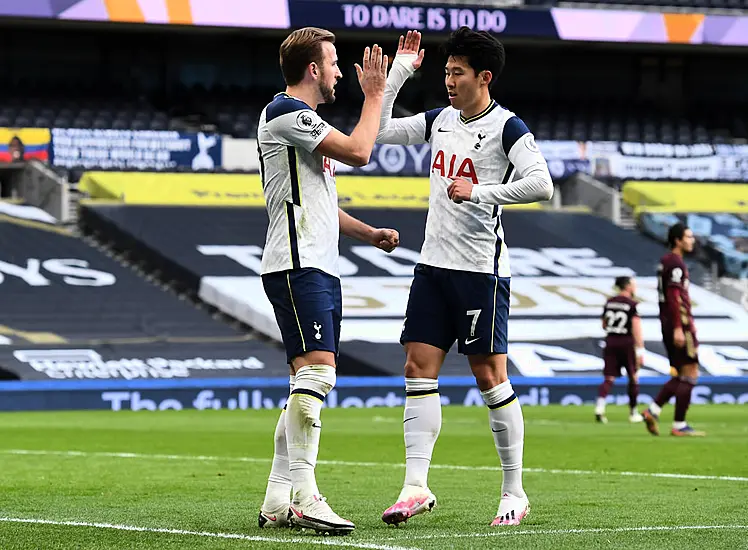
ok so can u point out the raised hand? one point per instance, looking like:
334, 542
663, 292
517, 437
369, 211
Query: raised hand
373, 75
410, 44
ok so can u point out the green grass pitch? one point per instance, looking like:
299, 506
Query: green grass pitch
195, 480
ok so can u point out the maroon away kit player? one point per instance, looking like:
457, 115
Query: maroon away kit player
624, 346
678, 334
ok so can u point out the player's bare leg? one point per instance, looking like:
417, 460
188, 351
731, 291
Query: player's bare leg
508, 430
688, 378
422, 420
602, 393
275, 508
315, 378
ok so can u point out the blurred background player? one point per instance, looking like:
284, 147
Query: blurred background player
461, 286
300, 260
624, 346
678, 334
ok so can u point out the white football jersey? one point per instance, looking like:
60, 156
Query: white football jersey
299, 188
484, 150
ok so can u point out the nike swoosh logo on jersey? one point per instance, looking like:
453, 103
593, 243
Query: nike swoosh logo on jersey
468, 342
442, 130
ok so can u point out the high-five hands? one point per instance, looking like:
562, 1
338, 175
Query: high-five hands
373, 76
410, 44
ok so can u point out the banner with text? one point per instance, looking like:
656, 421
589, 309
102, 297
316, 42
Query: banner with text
134, 149
425, 17
602, 159
259, 393
555, 23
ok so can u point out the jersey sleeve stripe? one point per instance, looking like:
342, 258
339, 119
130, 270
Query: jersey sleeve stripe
293, 170
262, 165
514, 128
430, 118
293, 241
497, 252
508, 174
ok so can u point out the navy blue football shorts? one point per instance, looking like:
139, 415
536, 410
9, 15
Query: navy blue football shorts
447, 305
308, 307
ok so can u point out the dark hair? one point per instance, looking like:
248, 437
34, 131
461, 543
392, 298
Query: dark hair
299, 49
482, 51
676, 233
622, 282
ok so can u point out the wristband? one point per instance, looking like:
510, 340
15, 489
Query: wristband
640, 352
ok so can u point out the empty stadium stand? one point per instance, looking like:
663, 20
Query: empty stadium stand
722, 239
238, 117
563, 266
64, 301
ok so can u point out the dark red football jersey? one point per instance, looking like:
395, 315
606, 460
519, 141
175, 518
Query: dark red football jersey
618, 314
672, 288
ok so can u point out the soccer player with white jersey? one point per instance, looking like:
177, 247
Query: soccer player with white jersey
461, 286
300, 259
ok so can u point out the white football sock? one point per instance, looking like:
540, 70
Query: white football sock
422, 421
508, 427
303, 426
679, 425
655, 409
279, 481
600, 406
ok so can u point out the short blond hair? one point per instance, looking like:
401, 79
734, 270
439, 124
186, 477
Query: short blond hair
299, 49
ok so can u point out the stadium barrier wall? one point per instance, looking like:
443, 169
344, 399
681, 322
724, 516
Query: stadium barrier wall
190, 189
42, 187
356, 392
648, 196
603, 200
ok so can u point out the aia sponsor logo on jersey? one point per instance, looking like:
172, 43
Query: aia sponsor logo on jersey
446, 167
328, 166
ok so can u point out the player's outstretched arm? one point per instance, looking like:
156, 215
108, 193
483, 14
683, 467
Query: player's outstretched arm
535, 183
384, 239
406, 130
356, 149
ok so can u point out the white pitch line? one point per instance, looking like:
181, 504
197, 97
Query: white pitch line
204, 458
504, 532
235, 536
